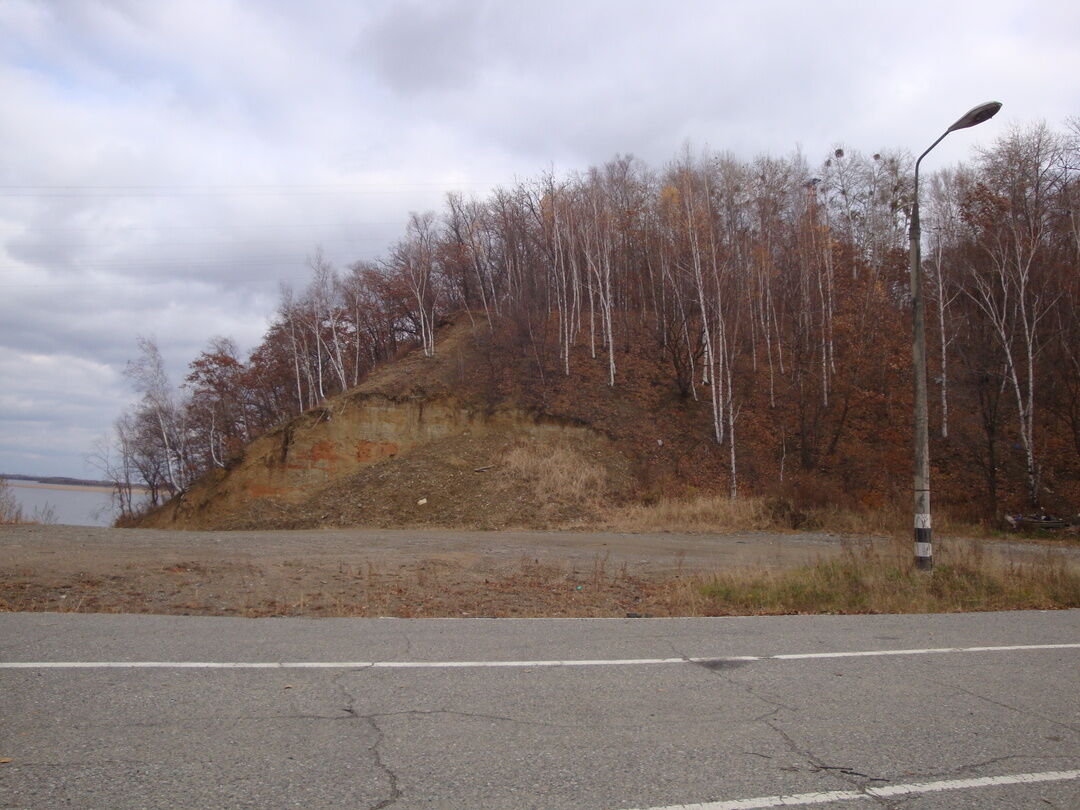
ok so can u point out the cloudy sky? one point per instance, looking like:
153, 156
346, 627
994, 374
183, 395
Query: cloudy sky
164, 166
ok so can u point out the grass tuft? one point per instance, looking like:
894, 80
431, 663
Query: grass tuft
10, 510
557, 472
704, 513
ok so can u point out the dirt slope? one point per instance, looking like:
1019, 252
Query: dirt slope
412, 446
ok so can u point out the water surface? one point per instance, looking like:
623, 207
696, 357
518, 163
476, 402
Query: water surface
75, 506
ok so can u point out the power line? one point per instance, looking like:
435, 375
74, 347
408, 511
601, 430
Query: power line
238, 243
94, 192
155, 282
173, 264
259, 186
222, 226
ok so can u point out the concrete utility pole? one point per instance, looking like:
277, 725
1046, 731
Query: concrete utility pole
924, 549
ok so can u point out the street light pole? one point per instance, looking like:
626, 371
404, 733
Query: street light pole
924, 548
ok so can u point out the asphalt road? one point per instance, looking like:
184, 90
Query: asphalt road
639, 726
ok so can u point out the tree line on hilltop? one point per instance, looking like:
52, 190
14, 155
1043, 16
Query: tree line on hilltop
764, 286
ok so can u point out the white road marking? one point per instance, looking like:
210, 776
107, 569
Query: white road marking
883, 791
604, 662
926, 651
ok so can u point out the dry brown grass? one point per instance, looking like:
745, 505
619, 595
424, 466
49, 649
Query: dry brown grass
10, 510
720, 513
556, 472
705, 513
868, 579
12, 513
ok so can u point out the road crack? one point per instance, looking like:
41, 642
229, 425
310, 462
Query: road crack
722, 668
481, 716
377, 758
1026, 712
371, 720
846, 774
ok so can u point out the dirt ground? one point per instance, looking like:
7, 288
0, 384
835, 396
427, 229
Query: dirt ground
363, 572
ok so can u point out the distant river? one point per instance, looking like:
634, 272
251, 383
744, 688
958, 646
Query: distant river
75, 506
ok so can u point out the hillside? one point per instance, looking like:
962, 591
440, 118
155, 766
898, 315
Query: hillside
482, 436
472, 437
716, 327
414, 444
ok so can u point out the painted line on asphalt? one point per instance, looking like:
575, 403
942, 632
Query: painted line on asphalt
884, 791
604, 662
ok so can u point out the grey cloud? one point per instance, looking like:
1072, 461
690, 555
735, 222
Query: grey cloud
402, 102
416, 47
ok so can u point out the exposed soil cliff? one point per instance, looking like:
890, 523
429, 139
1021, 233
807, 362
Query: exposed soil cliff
365, 458
414, 444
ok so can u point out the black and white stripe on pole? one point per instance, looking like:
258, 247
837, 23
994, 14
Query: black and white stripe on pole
924, 548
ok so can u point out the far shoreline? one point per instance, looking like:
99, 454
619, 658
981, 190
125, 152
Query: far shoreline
72, 487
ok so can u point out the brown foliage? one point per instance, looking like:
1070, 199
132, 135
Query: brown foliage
731, 326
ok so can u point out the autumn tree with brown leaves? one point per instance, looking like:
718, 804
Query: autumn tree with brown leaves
769, 296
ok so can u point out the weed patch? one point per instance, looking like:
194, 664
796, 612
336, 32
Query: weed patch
867, 581
556, 472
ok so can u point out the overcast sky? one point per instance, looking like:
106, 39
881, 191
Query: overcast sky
165, 165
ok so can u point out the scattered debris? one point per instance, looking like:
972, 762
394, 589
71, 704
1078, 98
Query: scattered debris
484, 469
421, 502
1041, 521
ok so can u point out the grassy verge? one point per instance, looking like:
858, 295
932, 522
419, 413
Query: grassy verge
866, 580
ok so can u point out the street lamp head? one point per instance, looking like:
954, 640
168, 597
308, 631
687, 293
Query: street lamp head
976, 115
